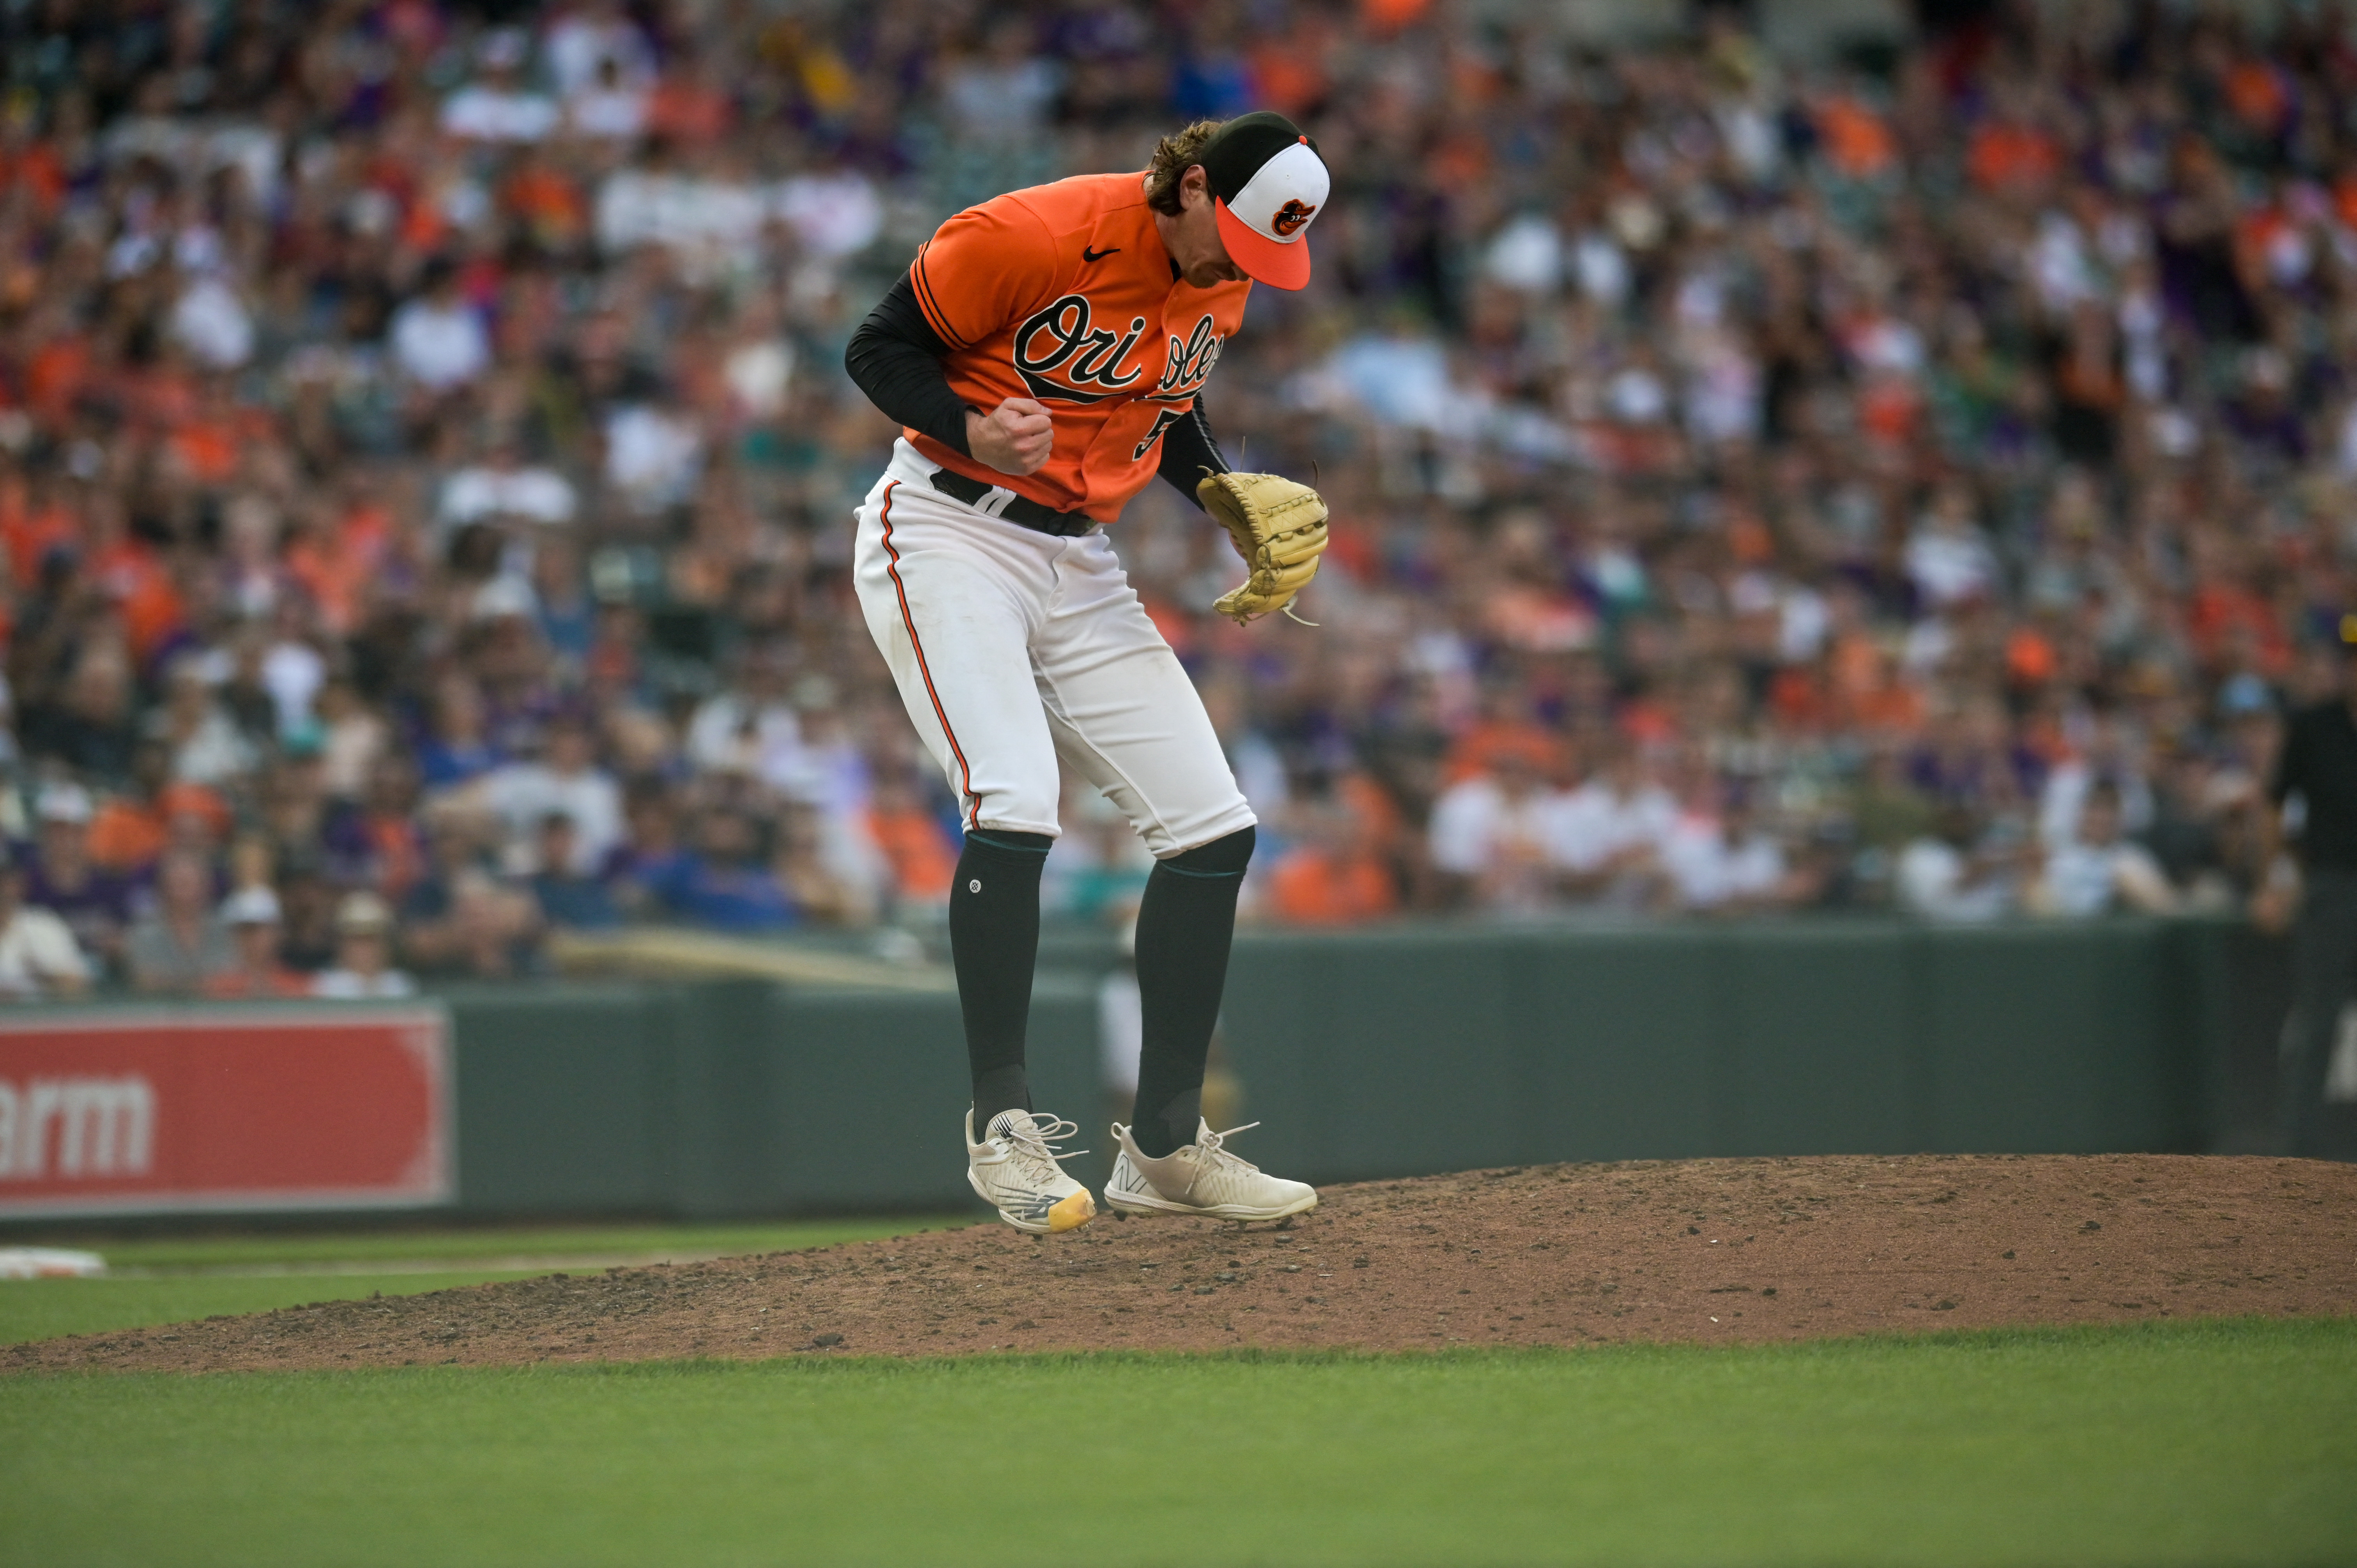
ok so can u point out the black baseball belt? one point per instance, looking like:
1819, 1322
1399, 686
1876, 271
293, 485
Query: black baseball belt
1029, 514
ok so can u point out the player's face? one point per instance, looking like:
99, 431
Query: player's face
1193, 237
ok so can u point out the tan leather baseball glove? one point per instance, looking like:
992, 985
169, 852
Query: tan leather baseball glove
1277, 526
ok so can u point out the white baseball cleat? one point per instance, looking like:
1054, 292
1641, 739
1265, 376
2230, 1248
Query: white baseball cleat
1014, 1169
1202, 1177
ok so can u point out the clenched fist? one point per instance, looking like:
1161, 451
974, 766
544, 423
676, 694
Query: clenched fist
1013, 438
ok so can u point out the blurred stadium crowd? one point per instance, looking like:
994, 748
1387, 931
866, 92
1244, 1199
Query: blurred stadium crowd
426, 466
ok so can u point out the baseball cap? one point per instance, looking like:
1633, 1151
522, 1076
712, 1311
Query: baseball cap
502, 596
1267, 182
64, 803
363, 913
250, 907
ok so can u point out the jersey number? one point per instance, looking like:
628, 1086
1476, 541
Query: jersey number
1163, 421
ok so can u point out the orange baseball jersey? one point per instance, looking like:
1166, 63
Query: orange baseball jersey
1064, 293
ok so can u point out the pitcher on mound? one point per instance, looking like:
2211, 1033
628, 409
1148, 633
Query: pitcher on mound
1046, 355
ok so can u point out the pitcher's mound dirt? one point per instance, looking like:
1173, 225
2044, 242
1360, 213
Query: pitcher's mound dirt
1700, 1251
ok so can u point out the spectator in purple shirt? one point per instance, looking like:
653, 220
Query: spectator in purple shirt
94, 904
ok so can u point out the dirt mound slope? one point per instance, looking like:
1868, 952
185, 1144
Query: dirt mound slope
1689, 1250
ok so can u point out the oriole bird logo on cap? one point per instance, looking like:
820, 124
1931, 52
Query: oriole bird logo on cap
1291, 216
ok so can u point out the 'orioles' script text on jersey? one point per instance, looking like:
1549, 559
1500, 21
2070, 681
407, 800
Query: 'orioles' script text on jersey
1063, 294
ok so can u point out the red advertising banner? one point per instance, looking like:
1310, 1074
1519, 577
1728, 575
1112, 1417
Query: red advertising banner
122, 1110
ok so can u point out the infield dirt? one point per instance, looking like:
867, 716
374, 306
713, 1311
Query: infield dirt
1700, 1251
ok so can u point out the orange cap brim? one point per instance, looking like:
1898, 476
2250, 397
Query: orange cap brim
1262, 258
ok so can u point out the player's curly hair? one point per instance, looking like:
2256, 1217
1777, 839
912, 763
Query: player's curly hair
1173, 156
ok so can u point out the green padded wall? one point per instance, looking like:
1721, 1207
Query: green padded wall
1384, 1053
733, 1098
1423, 1050
563, 1099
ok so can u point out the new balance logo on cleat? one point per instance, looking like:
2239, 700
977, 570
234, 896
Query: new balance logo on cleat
1014, 1169
1201, 1179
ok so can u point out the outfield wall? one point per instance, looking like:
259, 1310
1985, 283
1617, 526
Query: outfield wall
1373, 1054
1376, 1054
1400, 1052
730, 1098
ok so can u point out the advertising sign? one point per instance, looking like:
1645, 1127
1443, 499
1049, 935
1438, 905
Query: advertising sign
123, 1110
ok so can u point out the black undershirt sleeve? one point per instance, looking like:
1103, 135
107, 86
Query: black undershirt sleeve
1188, 449
896, 358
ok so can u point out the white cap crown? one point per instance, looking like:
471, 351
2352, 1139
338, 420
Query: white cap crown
1278, 202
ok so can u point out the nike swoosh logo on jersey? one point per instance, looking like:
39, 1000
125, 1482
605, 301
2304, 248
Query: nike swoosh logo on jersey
1090, 255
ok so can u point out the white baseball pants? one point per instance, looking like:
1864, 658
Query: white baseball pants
1013, 648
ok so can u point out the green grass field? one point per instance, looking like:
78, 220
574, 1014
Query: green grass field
178, 1279
2223, 1442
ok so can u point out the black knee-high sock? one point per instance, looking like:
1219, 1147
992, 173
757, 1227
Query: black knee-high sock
1184, 926
995, 943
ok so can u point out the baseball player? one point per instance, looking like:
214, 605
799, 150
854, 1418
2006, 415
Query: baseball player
1046, 355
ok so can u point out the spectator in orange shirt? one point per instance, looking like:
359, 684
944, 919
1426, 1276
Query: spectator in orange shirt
127, 833
1857, 144
31, 166
1505, 729
2260, 96
253, 918
332, 560
1286, 72
131, 831
130, 573
57, 371
1333, 876
913, 845
36, 517
2009, 153
1384, 17
548, 204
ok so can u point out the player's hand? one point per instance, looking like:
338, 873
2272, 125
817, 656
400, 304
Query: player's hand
1013, 438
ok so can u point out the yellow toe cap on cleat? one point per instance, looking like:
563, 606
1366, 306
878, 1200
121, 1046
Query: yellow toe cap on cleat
1072, 1212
